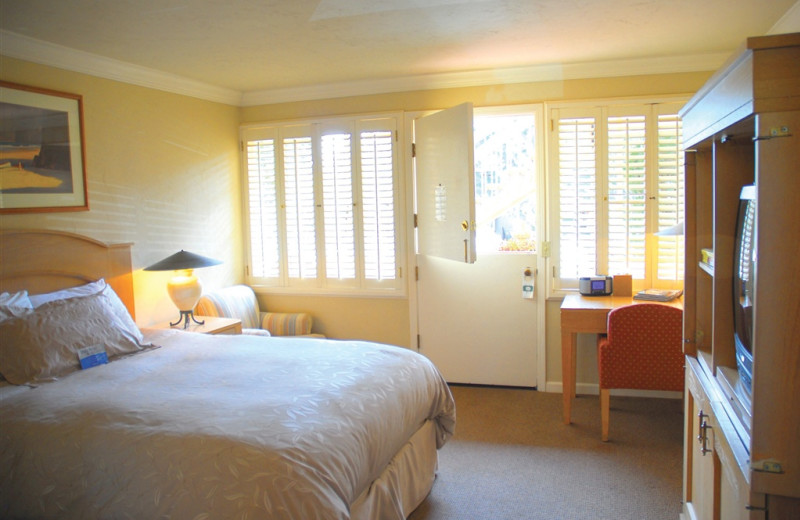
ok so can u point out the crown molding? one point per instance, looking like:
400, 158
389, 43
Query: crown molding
37, 51
25, 48
789, 22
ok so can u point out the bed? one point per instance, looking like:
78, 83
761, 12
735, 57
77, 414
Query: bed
183, 425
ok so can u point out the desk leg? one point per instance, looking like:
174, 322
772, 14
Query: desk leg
569, 342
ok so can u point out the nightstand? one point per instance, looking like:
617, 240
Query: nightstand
212, 325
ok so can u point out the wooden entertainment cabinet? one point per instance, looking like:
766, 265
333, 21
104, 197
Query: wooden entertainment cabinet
742, 451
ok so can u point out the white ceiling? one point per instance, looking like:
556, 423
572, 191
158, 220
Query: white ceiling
258, 47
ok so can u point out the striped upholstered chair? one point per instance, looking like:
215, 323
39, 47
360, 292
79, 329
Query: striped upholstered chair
643, 351
239, 301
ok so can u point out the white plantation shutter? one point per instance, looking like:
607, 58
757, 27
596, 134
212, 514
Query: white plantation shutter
263, 208
323, 207
619, 180
577, 196
377, 195
338, 206
627, 195
670, 196
301, 246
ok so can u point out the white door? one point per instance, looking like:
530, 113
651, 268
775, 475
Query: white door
446, 190
473, 321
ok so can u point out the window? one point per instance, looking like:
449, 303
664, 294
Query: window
323, 205
617, 179
506, 175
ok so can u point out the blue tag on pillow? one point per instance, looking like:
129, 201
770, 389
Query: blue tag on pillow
92, 356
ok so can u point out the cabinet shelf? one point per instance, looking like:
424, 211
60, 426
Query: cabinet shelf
739, 400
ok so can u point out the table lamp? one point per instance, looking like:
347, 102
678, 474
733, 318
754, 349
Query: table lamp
184, 288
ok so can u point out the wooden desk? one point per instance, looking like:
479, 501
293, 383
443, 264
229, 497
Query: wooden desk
588, 314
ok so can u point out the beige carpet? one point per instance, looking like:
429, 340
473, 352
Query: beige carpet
513, 458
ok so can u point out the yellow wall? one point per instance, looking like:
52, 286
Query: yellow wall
162, 172
384, 320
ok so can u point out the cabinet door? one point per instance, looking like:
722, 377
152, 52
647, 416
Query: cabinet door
734, 492
733, 497
776, 366
704, 463
701, 466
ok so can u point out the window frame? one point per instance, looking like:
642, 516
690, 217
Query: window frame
652, 108
321, 285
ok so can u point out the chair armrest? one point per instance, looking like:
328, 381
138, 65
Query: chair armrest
286, 324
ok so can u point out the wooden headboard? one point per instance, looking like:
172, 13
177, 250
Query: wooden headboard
44, 260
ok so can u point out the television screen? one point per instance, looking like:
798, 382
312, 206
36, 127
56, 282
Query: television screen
744, 269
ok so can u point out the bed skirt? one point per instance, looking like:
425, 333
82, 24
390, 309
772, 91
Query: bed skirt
404, 483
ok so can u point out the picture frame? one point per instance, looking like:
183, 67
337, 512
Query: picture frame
42, 151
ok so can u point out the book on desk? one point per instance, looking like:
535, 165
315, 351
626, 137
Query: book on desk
658, 295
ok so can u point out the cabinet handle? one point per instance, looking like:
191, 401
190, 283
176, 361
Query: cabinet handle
702, 437
700, 417
704, 446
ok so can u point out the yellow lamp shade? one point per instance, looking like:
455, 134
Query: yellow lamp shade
185, 289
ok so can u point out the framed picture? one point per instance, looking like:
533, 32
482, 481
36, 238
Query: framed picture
42, 166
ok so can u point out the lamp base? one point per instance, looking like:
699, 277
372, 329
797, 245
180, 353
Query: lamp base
185, 317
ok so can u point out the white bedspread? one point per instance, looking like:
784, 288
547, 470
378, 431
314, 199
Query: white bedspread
212, 427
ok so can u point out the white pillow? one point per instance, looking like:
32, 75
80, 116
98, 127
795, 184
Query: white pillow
72, 292
119, 309
43, 345
88, 289
16, 304
17, 299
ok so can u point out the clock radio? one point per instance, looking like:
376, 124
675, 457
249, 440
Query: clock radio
595, 285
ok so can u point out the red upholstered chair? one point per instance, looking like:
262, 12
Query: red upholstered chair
643, 350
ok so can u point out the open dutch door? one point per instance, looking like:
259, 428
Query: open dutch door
446, 184
464, 304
